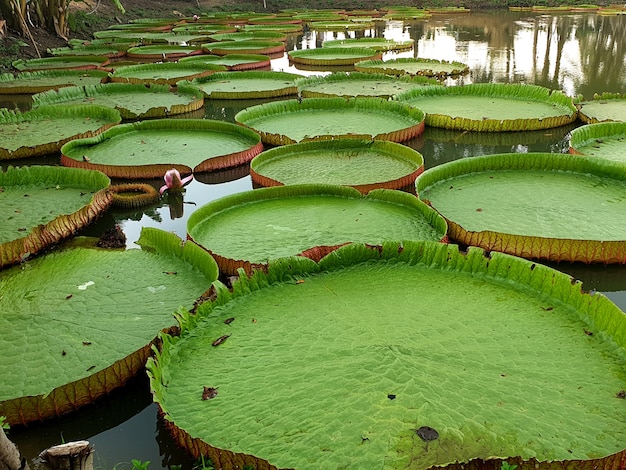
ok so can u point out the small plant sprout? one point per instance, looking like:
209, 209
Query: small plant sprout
139, 465
507, 466
173, 181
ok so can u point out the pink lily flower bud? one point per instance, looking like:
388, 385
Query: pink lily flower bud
173, 181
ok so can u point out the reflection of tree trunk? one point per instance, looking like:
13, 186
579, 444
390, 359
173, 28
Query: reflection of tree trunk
546, 57
603, 48
535, 40
562, 34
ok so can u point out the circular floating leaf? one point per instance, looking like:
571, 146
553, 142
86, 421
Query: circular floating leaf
291, 121
44, 130
356, 84
133, 101
83, 326
333, 55
133, 195
147, 149
306, 219
492, 107
459, 340
47, 63
165, 73
535, 205
204, 28
250, 35
247, 85
43, 80
245, 47
162, 52
44, 205
362, 164
281, 27
604, 107
231, 61
340, 25
110, 51
603, 140
378, 44
409, 66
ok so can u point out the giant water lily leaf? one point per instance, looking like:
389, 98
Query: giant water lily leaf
378, 44
410, 66
602, 140
281, 27
548, 206
231, 61
247, 85
164, 73
251, 46
43, 80
340, 25
78, 322
333, 55
604, 107
362, 164
205, 29
49, 63
291, 121
492, 107
46, 129
147, 149
162, 51
103, 50
42, 205
357, 84
410, 356
246, 230
248, 35
133, 101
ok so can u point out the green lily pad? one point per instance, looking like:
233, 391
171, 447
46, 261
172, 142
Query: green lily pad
402, 356
49, 63
492, 107
44, 130
310, 220
340, 25
164, 73
281, 27
603, 140
147, 149
250, 35
43, 80
232, 61
203, 28
356, 84
332, 55
43, 205
536, 205
247, 85
410, 66
131, 100
82, 326
162, 51
378, 44
111, 51
604, 107
362, 164
250, 46
292, 121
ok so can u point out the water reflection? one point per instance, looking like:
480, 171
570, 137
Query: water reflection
580, 54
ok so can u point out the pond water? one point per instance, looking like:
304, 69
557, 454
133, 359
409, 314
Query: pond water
581, 54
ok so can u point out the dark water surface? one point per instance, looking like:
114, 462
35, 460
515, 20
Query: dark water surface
581, 54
